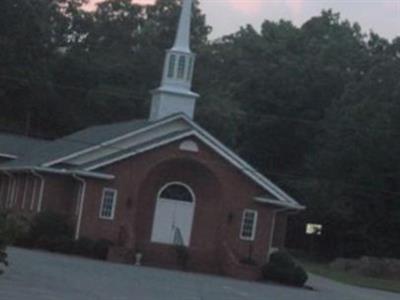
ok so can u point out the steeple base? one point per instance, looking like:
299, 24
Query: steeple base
166, 102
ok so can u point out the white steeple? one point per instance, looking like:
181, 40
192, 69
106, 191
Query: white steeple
175, 95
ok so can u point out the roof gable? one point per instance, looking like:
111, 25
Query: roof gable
100, 146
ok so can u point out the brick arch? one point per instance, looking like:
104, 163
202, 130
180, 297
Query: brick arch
208, 211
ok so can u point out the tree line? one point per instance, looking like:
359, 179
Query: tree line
315, 108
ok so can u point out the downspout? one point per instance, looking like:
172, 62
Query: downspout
7, 194
81, 202
10, 190
41, 190
271, 235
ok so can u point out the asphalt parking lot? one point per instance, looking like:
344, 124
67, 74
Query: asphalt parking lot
36, 275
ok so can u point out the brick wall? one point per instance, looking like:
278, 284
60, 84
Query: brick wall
222, 193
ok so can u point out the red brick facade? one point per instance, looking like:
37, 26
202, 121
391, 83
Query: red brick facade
221, 191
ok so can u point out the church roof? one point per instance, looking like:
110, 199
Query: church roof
13, 146
80, 140
64, 154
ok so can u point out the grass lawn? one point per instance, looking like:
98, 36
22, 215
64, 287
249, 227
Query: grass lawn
344, 277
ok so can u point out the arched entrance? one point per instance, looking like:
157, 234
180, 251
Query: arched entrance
173, 217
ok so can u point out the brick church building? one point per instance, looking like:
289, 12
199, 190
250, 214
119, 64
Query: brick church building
150, 185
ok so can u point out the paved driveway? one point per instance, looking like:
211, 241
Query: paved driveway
42, 276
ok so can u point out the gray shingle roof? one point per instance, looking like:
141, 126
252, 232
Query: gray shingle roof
75, 142
19, 145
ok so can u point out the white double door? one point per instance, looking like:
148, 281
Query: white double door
173, 221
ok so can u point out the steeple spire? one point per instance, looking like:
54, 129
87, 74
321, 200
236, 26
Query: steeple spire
175, 95
182, 38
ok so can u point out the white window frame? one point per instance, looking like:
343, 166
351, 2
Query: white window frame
115, 197
254, 228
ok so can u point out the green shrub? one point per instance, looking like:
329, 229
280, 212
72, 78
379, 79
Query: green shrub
100, 249
50, 226
282, 268
84, 246
4, 240
10, 228
63, 244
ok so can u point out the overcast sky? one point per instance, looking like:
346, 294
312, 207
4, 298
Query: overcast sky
226, 16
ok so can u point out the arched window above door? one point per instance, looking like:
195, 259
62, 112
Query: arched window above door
177, 191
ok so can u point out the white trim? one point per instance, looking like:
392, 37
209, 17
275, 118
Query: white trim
159, 198
16, 191
12, 192
81, 204
114, 140
242, 165
82, 173
25, 191
41, 190
6, 155
165, 186
115, 197
203, 135
140, 150
284, 199
279, 203
2, 178
8, 189
34, 188
254, 225
78, 199
189, 146
272, 231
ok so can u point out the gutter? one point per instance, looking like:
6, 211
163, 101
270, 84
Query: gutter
41, 189
10, 156
61, 172
81, 202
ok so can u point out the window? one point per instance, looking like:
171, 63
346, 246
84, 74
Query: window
177, 192
249, 223
181, 67
108, 202
190, 70
171, 67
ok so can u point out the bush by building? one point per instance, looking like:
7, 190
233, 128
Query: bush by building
283, 269
52, 232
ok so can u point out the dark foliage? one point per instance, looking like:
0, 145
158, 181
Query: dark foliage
315, 108
283, 269
4, 240
52, 232
49, 226
84, 246
10, 229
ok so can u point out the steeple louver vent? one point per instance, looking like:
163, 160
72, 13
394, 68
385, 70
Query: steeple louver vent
175, 95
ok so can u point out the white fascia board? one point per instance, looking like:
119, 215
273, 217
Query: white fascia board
83, 173
279, 203
114, 140
6, 155
242, 165
231, 157
140, 150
